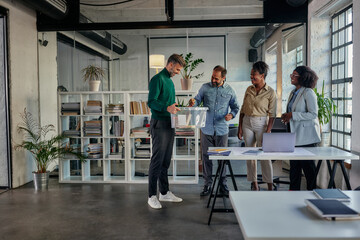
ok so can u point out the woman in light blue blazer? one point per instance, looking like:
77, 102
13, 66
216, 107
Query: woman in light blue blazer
302, 116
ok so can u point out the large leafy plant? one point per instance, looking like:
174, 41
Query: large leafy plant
44, 150
326, 106
190, 66
93, 72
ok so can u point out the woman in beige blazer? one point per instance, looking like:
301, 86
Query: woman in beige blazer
257, 117
302, 116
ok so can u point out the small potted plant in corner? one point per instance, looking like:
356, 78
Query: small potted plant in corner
326, 108
94, 74
44, 149
190, 66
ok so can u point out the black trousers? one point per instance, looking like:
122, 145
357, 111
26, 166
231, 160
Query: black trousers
162, 145
309, 168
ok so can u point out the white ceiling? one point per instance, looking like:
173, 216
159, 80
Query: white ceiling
154, 10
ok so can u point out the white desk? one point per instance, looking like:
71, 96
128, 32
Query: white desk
283, 215
314, 153
318, 153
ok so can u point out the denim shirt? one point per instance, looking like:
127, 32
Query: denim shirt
218, 100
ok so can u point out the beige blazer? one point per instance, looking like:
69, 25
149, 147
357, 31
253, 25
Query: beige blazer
304, 121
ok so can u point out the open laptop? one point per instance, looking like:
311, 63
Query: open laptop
278, 142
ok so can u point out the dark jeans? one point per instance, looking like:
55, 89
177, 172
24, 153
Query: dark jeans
162, 145
212, 141
309, 168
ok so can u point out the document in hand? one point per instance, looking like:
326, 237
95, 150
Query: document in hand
336, 194
328, 208
219, 152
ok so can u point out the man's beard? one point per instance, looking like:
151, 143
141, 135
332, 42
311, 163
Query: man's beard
215, 84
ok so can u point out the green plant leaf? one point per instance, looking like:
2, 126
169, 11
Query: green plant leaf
190, 66
326, 106
44, 149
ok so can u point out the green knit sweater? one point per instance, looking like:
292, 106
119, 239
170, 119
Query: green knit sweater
161, 95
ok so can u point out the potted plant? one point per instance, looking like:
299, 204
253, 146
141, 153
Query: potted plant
44, 149
326, 107
190, 66
94, 74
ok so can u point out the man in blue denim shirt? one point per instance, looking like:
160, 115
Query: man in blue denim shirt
218, 96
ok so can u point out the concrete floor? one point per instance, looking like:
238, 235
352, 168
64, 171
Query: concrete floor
111, 211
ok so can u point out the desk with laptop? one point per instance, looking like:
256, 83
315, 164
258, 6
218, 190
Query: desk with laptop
278, 146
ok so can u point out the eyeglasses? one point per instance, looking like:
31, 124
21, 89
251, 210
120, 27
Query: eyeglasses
294, 75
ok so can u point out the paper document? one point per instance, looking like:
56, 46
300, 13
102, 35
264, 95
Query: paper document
297, 152
181, 120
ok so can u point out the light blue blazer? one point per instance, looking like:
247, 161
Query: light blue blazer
304, 121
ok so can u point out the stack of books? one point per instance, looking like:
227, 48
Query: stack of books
330, 205
71, 108
93, 107
142, 151
92, 128
184, 131
94, 150
115, 108
72, 133
140, 132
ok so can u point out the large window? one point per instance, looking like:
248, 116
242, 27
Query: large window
341, 77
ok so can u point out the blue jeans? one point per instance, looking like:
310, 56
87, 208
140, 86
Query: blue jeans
162, 145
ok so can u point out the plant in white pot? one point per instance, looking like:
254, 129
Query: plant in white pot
186, 72
326, 108
44, 149
94, 74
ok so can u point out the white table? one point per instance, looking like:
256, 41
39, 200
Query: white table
313, 153
283, 215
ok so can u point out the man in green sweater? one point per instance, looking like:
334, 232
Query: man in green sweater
162, 103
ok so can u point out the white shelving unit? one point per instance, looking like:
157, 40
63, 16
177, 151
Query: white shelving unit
123, 167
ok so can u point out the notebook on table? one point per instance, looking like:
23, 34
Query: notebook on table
278, 142
328, 208
335, 194
219, 152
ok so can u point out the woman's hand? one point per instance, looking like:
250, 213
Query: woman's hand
240, 133
285, 118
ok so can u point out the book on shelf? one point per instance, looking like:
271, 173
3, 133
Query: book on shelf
219, 152
139, 107
140, 132
332, 209
71, 133
117, 128
115, 108
94, 150
336, 194
70, 108
93, 127
93, 107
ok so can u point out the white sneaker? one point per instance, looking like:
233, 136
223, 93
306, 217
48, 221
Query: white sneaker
154, 202
169, 197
